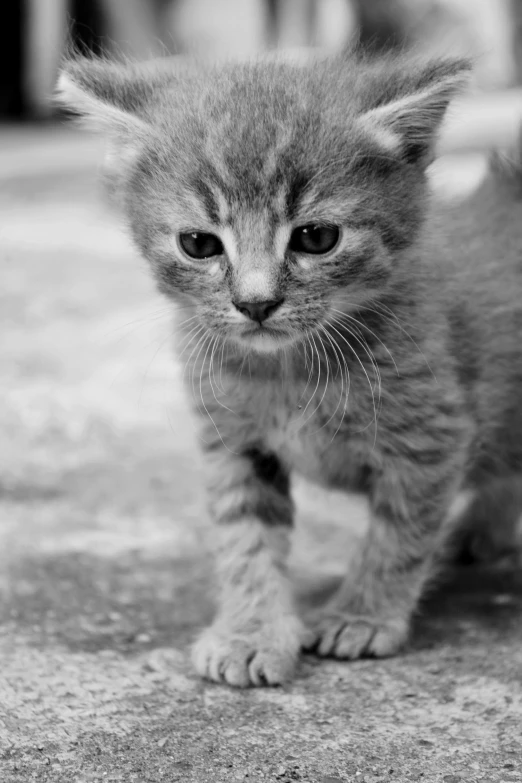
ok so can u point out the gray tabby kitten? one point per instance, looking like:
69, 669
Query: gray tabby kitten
341, 326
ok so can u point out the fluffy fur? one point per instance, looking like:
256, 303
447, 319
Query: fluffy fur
393, 366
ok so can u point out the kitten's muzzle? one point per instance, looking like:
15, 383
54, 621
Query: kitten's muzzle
258, 311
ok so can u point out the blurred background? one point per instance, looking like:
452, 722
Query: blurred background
34, 32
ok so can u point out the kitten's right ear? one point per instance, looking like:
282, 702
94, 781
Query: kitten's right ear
107, 95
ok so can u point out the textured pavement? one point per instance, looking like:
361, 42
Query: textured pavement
103, 576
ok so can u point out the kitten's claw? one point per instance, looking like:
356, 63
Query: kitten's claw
348, 636
266, 657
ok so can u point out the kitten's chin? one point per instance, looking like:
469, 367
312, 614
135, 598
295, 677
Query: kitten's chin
265, 340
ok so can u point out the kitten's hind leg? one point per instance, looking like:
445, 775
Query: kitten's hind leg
256, 636
491, 528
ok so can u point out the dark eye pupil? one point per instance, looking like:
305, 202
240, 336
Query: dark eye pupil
316, 239
199, 244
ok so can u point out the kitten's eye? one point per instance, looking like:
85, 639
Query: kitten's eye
316, 239
199, 244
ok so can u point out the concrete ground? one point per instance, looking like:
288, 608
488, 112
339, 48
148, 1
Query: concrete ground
103, 577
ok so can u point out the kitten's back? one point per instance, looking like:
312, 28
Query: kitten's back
480, 282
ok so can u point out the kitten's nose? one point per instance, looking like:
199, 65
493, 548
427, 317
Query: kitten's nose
258, 311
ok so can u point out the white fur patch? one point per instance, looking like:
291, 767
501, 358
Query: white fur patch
223, 206
460, 504
390, 112
306, 262
268, 343
256, 285
281, 239
229, 241
385, 138
353, 239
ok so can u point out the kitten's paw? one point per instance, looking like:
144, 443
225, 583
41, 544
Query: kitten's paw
349, 636
267, 656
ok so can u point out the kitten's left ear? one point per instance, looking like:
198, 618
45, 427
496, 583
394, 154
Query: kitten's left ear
408, 116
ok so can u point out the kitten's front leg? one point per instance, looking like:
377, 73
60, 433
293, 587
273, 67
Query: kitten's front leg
411, 513
256, 637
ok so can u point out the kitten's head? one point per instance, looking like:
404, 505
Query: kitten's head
265, 194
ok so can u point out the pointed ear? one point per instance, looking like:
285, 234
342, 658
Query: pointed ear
407, 117
101, 93
109, 95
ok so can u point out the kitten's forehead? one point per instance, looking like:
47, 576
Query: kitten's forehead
276, 182
272, 142
264, 140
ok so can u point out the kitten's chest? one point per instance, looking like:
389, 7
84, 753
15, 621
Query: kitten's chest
314, 435
290, 434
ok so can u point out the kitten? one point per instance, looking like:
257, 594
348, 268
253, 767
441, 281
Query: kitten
342, 326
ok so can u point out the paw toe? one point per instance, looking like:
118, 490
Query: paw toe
234, 671
242, 661
388, 638
272, 668
350, 637
353, 640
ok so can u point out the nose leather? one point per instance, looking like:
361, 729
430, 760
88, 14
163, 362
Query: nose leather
258, 311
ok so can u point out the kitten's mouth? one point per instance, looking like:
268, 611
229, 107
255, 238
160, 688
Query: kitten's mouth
265, 338
260, 329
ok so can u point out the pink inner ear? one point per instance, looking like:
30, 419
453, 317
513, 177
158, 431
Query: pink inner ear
384, 137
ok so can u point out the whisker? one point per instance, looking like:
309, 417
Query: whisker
141, 324
364, 326
318, 376
186, 321
326, 382
214, 344
199, 333
311, 370
347, 393
369, 353
155, 315
393, 318
185, 334
364, 371
243, 364
221, 365
198, 342
364, 345
149, 365
305, 355
210, 344
194, 332
340, 353
337, 352
202, 342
